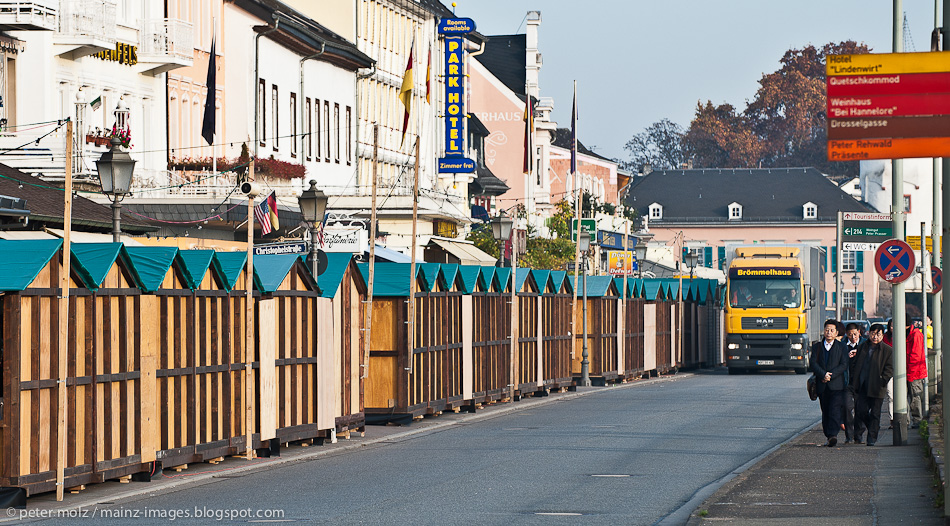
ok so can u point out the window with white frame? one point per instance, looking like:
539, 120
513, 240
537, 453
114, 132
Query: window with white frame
849, 259
849, 300
810, 211
656, 211
293, 124
735, 211
275, 135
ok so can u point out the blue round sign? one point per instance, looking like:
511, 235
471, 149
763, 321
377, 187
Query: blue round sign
894, 261
936, 276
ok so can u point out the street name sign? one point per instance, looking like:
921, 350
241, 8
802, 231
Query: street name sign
894, 261
587, 225
888, 106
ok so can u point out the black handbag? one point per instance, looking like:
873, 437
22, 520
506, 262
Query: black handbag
812, 388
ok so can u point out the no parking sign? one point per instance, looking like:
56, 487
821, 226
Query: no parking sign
894, 261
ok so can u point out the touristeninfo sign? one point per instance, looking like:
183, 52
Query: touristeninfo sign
864, 230
888, 106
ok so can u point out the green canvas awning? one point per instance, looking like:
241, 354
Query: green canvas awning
329, 282
429, 274
151, 264
229, 266
651, 289
597, 286
487, 278
22, 261
93, 261
542, 278
469, 275
270, 270
521, 276
389, 279
503, 275
447, 274
195, 264
558, 277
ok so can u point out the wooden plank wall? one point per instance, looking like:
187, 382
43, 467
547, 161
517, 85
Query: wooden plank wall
436, 375
491, 345
664, 334
633, 338
387, 347
556, 340
177, 396
529, 344
347, 321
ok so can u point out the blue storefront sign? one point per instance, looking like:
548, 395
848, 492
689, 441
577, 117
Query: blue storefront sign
614, 240
455, 114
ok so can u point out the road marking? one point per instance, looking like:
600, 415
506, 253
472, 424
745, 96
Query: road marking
780, 504
559, 514
611, 476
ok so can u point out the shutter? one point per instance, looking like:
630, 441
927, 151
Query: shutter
859, 301
722, 257
824, 257
834, 298
707, 255
834, 259
859, 261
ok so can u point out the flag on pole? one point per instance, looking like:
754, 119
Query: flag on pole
429, 78
405, 91
266, 214
207, 126
574, 132
96, 103
528, 135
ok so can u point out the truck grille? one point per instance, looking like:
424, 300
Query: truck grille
764, 323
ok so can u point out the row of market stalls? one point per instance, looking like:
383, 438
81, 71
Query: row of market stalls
166, 360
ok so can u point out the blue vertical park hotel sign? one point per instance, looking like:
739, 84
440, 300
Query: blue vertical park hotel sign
455, 112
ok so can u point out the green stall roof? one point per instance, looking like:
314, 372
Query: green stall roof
94, 260
521, 275
229, 266
151, 264
196, 263
429, 272
542, 278
270, 270
469, 275
22, 261
597, 286
651, 289
447, 275
503, 275
557, 278
389, 279
329, 282
487, 277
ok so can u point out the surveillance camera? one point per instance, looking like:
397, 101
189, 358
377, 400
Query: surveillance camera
250, 189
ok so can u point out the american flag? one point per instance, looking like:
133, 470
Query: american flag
263, 214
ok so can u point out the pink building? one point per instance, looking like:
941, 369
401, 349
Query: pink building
707, 209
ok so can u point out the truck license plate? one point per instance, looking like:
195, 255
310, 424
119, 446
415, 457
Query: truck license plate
765, 362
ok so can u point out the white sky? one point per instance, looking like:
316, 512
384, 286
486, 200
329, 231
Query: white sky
639, 61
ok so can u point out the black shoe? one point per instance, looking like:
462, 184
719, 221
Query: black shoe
847, 441
858, 441
832, 441
870, 442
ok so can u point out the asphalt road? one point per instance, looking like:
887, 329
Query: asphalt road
642, 453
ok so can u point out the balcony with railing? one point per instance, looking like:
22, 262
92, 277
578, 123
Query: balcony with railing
86, 27
166, 44
27, 16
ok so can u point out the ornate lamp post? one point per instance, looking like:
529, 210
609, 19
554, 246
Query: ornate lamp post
583, 243
313, 206
115, 169
641, 252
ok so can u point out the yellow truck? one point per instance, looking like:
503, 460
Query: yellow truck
774, 303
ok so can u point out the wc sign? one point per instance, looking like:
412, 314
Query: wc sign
454, 45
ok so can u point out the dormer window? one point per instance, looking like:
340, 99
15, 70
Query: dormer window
810, 210
735, 212
656, 211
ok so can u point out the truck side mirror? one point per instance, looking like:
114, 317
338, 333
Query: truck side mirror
811, 295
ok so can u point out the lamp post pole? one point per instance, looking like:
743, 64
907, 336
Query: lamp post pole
583, 241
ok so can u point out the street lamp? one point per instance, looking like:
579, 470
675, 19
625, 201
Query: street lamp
856, 280
115, 169
691, 259
501, 231
313, 206
583, 244
640, 250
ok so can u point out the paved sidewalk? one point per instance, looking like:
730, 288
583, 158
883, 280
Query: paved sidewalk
850, 484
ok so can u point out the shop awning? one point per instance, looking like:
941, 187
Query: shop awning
467, 253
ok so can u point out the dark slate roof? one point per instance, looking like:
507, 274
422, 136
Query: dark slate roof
504, 57
295, 29
766, 194
562, 139
46, 205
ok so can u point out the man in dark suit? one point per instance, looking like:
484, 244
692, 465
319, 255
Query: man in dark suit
852, 341
829, 361
873, 368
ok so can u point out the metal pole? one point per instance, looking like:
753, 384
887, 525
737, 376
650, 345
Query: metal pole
514, 313
897, 217
925, 399
63, 313
116, 219
313, 252
944, 240
249, 324
839, 299
936, 255
585, 363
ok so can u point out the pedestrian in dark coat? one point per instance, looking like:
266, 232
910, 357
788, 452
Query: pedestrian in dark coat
852, 341
829, 362
872, 370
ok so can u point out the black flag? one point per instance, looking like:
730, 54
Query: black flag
207, 126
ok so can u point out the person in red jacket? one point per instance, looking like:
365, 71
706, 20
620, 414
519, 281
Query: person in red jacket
916, 371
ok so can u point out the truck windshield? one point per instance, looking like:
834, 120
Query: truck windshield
764, 292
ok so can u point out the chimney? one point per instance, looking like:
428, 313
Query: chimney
532, 55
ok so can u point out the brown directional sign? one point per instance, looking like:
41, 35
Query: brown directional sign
888, 106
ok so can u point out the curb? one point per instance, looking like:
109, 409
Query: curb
313, 453
935, 454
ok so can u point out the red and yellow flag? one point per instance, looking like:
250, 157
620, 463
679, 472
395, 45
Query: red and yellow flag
405, 91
